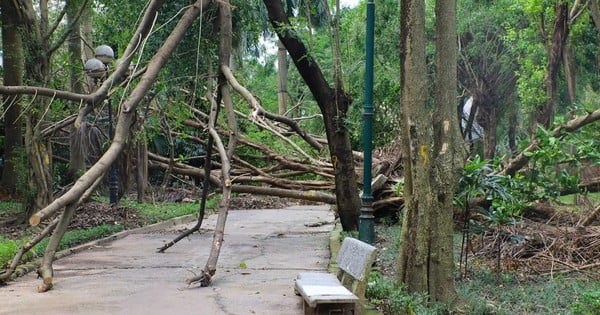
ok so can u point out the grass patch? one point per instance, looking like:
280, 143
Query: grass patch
534, 295
8, 247
155, 212
10, 208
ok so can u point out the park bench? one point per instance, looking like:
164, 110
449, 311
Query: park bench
326, 293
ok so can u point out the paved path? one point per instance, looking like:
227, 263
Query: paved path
262, 253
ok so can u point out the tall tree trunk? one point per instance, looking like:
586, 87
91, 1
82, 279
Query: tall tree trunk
37, 73
487, 117
545, 113
413, 256
433, 155
77, 143
333, 104
224, 95
448, 155
13, 63
282, 74
569, 70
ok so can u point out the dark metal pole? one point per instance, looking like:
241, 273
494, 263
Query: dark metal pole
366, 231
113, 181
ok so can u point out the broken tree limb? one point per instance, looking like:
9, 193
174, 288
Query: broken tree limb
285, 193
521, 159
224, 54
124, 122
260, 111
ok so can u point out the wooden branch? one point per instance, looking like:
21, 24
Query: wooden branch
521, 159
259, 110
285, 193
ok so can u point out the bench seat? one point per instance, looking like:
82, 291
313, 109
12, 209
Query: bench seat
322, 291
326, 293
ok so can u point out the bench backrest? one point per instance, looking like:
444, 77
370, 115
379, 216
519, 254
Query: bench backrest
356, 257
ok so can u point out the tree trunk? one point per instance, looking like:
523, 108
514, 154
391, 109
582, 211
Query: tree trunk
545, 113
487, 118
433, 155
413, 254
39, 150
224, 95
448, 155
77, 143
282, 74
333, 104
13, 64
570, 72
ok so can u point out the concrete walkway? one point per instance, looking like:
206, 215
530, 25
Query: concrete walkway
261, 255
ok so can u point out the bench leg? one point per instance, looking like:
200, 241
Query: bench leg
309, 310
335, 309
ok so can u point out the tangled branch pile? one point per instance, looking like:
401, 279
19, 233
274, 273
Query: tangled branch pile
538, 248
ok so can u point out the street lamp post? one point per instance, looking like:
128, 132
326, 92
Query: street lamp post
366, 229
97, 69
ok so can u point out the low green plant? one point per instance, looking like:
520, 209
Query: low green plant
8, 249
588, 304
391, 297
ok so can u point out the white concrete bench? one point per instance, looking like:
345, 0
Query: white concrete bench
325, 293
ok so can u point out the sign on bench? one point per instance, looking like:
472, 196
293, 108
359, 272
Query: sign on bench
324, 293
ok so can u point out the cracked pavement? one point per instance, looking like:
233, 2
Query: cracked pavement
262, 253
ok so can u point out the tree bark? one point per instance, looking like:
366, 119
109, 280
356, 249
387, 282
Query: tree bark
333, 104
226, 183
413, 254
13, 64
434, 153
282, 73
77, 143
448, 155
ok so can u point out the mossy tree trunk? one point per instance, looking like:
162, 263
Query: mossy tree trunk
433, 153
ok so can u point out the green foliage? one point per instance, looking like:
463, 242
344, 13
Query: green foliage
588, 304
553, 166
392, 297
386, 84
8, 249
10, 208
478, 181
